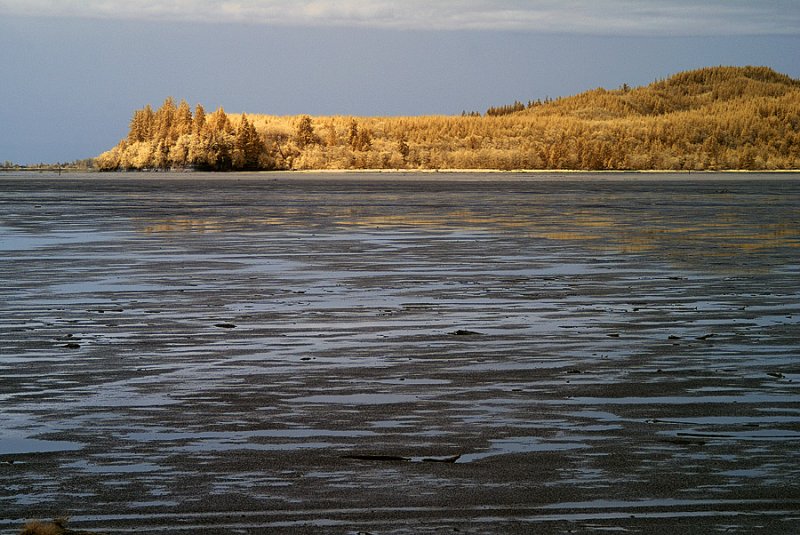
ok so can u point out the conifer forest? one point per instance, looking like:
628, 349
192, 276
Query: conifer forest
715, 118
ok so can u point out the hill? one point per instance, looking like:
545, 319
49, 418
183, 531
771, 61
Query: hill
706, 119
697, 90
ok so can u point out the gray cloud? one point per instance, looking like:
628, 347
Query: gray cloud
604, 17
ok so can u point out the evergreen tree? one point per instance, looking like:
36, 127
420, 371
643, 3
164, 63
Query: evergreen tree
183, 119
141, 126
219, 156
199, 122
248, 148
331, 139
352, 137
403, 148
304, 134
164, 123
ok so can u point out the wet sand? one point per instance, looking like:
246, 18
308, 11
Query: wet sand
337, 354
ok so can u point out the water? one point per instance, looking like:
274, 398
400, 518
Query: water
400, 353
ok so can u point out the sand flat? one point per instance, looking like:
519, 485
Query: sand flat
373, 353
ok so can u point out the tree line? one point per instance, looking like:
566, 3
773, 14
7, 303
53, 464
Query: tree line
707, 119
176, 137
83, 164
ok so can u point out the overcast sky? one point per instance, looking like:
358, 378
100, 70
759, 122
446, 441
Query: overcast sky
73, 71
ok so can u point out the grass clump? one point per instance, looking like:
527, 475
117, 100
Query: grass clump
57, 527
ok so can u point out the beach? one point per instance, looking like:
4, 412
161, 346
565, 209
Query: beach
400, 353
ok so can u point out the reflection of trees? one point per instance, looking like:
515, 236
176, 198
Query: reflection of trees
683, 232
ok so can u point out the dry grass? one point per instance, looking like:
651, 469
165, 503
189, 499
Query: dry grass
57, 527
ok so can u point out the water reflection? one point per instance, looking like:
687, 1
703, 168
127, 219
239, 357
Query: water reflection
686, 223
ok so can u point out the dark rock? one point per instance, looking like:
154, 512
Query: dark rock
447, 459
375, 457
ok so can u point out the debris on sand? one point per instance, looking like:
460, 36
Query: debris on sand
685, 441
42, 528
375, 457
71, 341
464, 332
57, 527
400, 458
445, 459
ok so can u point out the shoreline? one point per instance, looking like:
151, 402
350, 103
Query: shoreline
461, 175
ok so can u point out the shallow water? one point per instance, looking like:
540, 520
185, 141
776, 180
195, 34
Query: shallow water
400, 354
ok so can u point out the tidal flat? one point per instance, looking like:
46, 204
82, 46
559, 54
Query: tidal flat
485, 353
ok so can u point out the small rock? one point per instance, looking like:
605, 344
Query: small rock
464, 332
447, 459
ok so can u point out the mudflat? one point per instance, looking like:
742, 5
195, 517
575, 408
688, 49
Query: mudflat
300, 353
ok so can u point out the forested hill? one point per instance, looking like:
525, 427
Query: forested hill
701, 90
712, 118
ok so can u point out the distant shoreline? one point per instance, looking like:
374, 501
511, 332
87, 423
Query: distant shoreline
56, 169
463, 175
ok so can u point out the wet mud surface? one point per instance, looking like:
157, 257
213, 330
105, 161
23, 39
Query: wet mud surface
395, 355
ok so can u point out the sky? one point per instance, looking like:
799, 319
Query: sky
73, 71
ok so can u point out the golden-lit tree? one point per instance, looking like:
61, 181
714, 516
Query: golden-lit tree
141, 125
305, 134
183, 120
